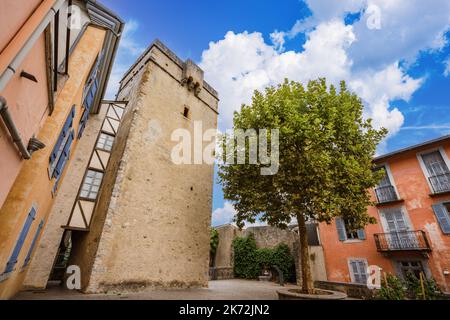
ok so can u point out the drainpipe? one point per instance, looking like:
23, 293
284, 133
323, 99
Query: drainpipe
20, 56
6, 116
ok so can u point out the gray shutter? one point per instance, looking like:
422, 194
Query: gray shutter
361, 234
443, 218
340, 225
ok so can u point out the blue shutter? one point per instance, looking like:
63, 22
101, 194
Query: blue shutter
33, 244
63, 134
361, 234
64, 156
340, 225
19, 244
442, 217
83, 121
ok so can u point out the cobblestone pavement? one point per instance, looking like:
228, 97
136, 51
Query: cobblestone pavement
234, 289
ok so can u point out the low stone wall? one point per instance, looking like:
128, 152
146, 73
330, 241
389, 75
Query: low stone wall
221, 273
353, 290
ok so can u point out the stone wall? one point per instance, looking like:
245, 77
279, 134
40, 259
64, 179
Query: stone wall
270, 237
267, 237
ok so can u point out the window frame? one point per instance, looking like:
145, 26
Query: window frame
390, 176
384, 224
347, 239
87, 198
350, 268
113, 138
19, 243
61, 142
423, 166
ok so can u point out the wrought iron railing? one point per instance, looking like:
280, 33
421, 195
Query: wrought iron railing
440, 183
386, 194
402, 241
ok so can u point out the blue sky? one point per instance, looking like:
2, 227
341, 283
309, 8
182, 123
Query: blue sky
394, 54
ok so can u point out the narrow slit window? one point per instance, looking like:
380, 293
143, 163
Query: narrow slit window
186, 112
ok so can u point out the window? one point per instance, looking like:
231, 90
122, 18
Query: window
91, 86
358, 270
105, 142
33, 244
437, 171
83, 122
313, 234
414, 267
62, 147
385, 191
91, 185
346, 233
442, 212
186, 112
20, 241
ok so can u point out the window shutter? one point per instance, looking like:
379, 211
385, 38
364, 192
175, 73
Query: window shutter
63, 134
361, 234
64, 156
33, 244
340, 225
83, 121
19, 244
443, 217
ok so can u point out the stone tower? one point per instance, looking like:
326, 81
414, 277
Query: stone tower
151, 222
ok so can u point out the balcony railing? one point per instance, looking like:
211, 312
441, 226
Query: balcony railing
402, 241
386, 194
440, 183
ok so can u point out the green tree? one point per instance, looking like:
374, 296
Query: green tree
325, 160
213, 244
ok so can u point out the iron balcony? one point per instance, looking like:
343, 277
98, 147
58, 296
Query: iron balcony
440, 183
402, 241
386, 194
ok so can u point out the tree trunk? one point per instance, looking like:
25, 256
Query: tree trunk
307, 282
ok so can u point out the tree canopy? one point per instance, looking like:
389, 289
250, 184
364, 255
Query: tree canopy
326, 149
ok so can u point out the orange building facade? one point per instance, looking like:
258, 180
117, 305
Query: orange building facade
413, 220
55, 60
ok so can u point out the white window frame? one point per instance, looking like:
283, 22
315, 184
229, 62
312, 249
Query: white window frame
350, 269
424, 167
391, 179
104, 144
91, 185
405, 213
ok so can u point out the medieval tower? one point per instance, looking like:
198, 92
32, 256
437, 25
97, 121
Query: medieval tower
140, 219
151, 225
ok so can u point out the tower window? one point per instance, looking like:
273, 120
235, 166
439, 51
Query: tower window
186, 112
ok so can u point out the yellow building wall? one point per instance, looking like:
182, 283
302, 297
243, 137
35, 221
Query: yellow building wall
32, 185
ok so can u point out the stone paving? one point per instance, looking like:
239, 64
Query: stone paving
234, 289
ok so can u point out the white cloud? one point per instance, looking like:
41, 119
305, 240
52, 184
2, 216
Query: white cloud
129, 50
242, 63
368, 59
377, 89
407, 28
447, 67
277, 38
128, 43
226, 214
223, 215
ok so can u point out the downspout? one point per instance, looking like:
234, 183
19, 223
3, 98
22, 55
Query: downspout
20, 56
6, 116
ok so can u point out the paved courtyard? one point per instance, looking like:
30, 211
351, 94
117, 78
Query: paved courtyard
234, 289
